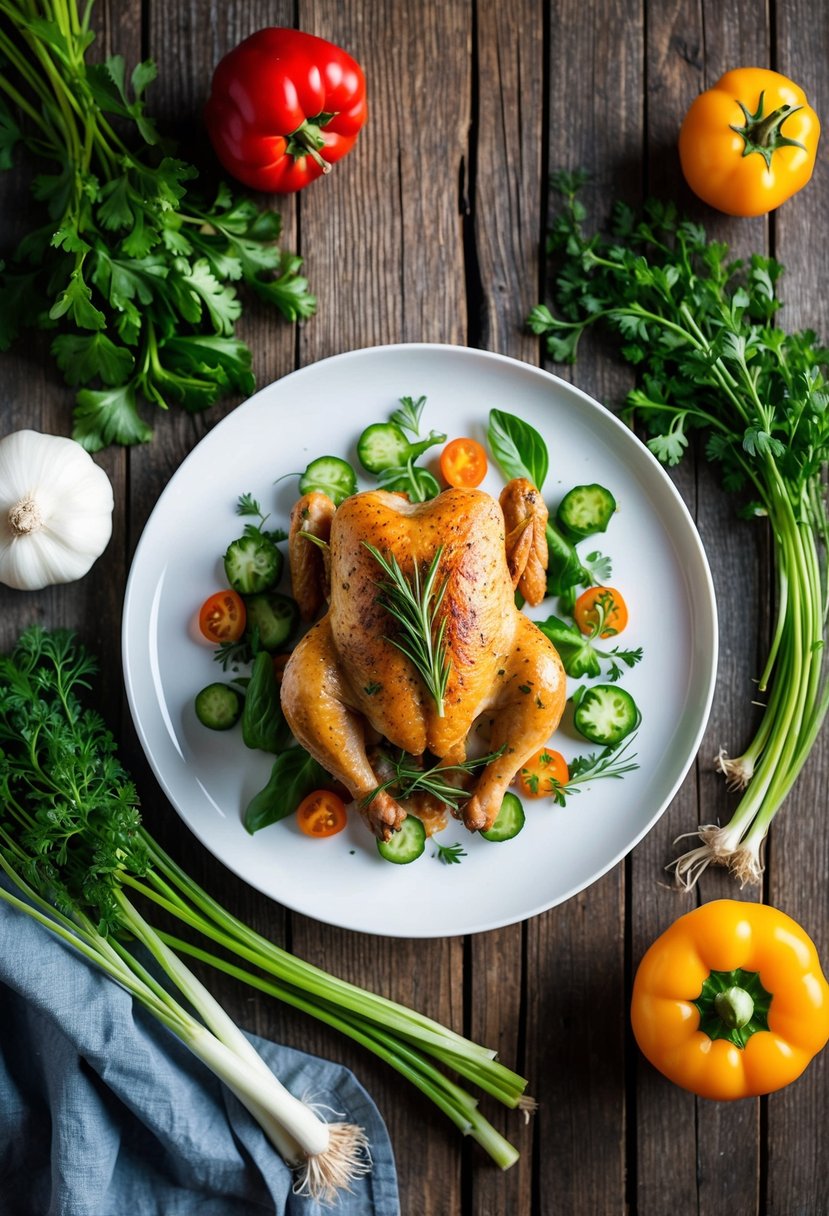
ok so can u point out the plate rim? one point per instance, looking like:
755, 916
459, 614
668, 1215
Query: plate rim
609, 416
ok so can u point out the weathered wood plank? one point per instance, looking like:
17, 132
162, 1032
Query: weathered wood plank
688, 50
503, 204
798, 1117
186, 41
575, 953
384, 246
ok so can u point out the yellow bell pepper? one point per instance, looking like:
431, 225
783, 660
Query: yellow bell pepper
749, 142
731, 1002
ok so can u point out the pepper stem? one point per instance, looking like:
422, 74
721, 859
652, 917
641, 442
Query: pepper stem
306, 140
761, 132
733, 1005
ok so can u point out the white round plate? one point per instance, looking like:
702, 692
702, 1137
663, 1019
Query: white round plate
658, 564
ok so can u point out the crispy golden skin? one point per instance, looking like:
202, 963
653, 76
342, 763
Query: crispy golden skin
525, 516
308, 562
345, 675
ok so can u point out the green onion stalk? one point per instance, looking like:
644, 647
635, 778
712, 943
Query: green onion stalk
699, 328
72, 841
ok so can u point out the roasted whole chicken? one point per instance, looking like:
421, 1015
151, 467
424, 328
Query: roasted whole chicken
347, 687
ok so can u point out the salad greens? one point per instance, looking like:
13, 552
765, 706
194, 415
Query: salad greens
72, 841
700, 329
130, 267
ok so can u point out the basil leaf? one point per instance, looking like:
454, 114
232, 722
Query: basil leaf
565, 569
294, 776
517, 447
263, 723
576, 653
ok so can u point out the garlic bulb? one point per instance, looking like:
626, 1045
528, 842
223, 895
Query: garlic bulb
55, 510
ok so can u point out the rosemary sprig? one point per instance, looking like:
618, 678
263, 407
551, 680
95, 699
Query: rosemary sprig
408, 778
610, 762
415, 607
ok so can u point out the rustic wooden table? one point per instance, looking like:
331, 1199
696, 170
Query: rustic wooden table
432, 231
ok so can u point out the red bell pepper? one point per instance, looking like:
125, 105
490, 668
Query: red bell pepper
283, 107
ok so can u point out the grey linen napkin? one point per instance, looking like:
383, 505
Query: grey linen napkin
103, 1112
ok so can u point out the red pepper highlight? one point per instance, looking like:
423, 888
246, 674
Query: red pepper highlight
283, 107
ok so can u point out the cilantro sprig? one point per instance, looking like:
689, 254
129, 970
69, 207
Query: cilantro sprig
135, 272
700, 328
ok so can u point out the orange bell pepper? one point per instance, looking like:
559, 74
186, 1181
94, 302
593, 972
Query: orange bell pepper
731, 1002
749, 142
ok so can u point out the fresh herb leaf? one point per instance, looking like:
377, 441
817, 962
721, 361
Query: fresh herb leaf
699, 326
129, 251
263, 724
517, 447
294, 775
410, 777
449, 854
418, 483
610, 762
81, 358
416, 607
407, 417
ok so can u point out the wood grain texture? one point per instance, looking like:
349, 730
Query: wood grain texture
503, 205
689, 47
575, 953
799, 840
431, 230
386, 237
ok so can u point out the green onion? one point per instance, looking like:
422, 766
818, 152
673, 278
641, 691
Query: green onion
699, 329
72, 839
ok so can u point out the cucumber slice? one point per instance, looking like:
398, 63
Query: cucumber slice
383, 446
274, 616
508, 822
253, 564
405, 845
218, 706
606, 714
329, 475
585, 510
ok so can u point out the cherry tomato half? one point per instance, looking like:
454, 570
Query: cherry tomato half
600, 608
321, 814
543, 773
222, 617
463, 463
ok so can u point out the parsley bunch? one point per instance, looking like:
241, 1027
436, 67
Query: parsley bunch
74, 847
132, 268
700, 329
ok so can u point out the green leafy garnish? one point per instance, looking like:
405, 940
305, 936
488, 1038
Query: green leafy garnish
132, 269
415, 606
408, 415
612, 762
294, 775
73, 845
247, 505
449, 854
517, 447
413, 480
581, 657
699, 327
410, 777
